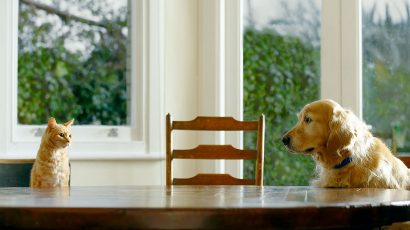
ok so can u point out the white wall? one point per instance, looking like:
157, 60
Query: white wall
181, 99
123, 172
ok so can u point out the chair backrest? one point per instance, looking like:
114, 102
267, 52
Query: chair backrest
215, 151
15, 173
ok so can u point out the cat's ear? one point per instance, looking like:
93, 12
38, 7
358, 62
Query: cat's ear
69, 123
52, 123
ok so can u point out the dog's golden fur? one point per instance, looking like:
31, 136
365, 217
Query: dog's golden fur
331, 134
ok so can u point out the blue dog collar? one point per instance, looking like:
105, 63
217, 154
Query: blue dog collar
344, 162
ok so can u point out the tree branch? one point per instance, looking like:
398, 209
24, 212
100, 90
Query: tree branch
64, 15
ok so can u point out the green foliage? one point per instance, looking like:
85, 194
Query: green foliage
384, 86
55, 79
43, 87
281, 74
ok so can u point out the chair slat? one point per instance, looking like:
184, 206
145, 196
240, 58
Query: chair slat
212, 179
215, 124
16, 161
214, 152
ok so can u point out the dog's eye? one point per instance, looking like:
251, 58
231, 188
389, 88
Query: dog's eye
307, 119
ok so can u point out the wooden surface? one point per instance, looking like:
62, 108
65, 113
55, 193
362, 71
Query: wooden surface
405, 159
215, 151
215, 124
201, 207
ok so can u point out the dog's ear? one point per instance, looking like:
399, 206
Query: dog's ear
341, 131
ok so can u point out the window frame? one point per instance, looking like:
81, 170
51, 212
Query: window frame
142, 139
341, 53
220, 75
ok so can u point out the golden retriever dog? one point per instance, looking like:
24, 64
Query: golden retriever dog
345, 151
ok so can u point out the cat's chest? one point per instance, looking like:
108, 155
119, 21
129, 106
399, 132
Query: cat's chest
60, 171
59, 158
60, 164
60, 167
57, 163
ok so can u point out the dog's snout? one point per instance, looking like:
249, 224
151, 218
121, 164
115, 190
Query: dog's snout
286, 140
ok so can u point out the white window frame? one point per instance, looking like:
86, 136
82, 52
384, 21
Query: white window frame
142, 139
341, 53
220, 75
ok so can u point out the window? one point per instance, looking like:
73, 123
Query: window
281, 72
386, 70
73, 62
221, 60
89, 60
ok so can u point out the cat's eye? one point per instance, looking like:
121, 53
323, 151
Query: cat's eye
307, 119
69, 135
61, 134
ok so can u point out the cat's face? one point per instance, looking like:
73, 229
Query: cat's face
59, 134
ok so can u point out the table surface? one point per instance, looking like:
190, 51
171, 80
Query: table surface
129, 207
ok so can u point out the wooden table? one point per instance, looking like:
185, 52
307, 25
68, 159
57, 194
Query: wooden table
196, 207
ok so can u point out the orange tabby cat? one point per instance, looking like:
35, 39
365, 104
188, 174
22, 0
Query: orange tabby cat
52, 168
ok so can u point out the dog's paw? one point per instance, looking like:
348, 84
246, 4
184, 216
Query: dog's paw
317, 183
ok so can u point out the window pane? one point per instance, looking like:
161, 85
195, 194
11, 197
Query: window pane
281, 58
386, 70
72, 61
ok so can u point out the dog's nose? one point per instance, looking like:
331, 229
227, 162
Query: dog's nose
286, 140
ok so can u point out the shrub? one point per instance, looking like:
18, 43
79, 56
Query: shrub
281, 74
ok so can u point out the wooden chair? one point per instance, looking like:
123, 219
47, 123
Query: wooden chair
405, 159
215, 151
15, 173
